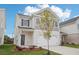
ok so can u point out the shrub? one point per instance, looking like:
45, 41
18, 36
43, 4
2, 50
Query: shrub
67, 43
40, 47
8, 40
73, 43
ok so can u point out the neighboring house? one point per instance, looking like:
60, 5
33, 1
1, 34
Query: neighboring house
70, 30
27, 31
2, 25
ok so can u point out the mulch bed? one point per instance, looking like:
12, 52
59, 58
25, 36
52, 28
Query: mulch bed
27, 49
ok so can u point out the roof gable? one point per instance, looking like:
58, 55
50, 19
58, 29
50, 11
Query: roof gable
47, 9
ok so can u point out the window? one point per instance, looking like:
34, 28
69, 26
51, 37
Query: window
22, 39
78, 26
56, 24
37, 20
25, 22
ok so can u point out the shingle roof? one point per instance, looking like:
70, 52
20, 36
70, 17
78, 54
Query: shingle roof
68, 21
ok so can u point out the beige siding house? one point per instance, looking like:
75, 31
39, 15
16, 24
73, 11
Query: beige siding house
70, 30
27, 31
2, 25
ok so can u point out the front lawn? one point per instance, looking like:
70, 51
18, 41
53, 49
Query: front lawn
8, 49
72, 45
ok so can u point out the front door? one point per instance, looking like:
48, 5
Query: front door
22, 39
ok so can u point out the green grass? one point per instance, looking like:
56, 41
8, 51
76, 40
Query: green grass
72, 45
8, 49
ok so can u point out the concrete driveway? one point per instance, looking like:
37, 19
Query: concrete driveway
65, 50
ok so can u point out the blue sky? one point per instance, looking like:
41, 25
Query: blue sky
13, 9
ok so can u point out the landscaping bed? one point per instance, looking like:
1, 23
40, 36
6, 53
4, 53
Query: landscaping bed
8, 49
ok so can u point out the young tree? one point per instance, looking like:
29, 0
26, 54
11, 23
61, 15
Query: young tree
46, 24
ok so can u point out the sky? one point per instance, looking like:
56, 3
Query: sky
64, 11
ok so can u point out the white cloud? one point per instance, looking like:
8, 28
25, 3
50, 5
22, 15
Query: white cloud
30, 9
66, 13
63, 14
57, 10
41, 6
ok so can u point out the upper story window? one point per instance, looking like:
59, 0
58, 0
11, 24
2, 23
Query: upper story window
56, 24
25, 23
78, 26
37, 20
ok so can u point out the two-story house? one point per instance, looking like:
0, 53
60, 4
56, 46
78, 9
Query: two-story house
70, 30
2, 25
27, 31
